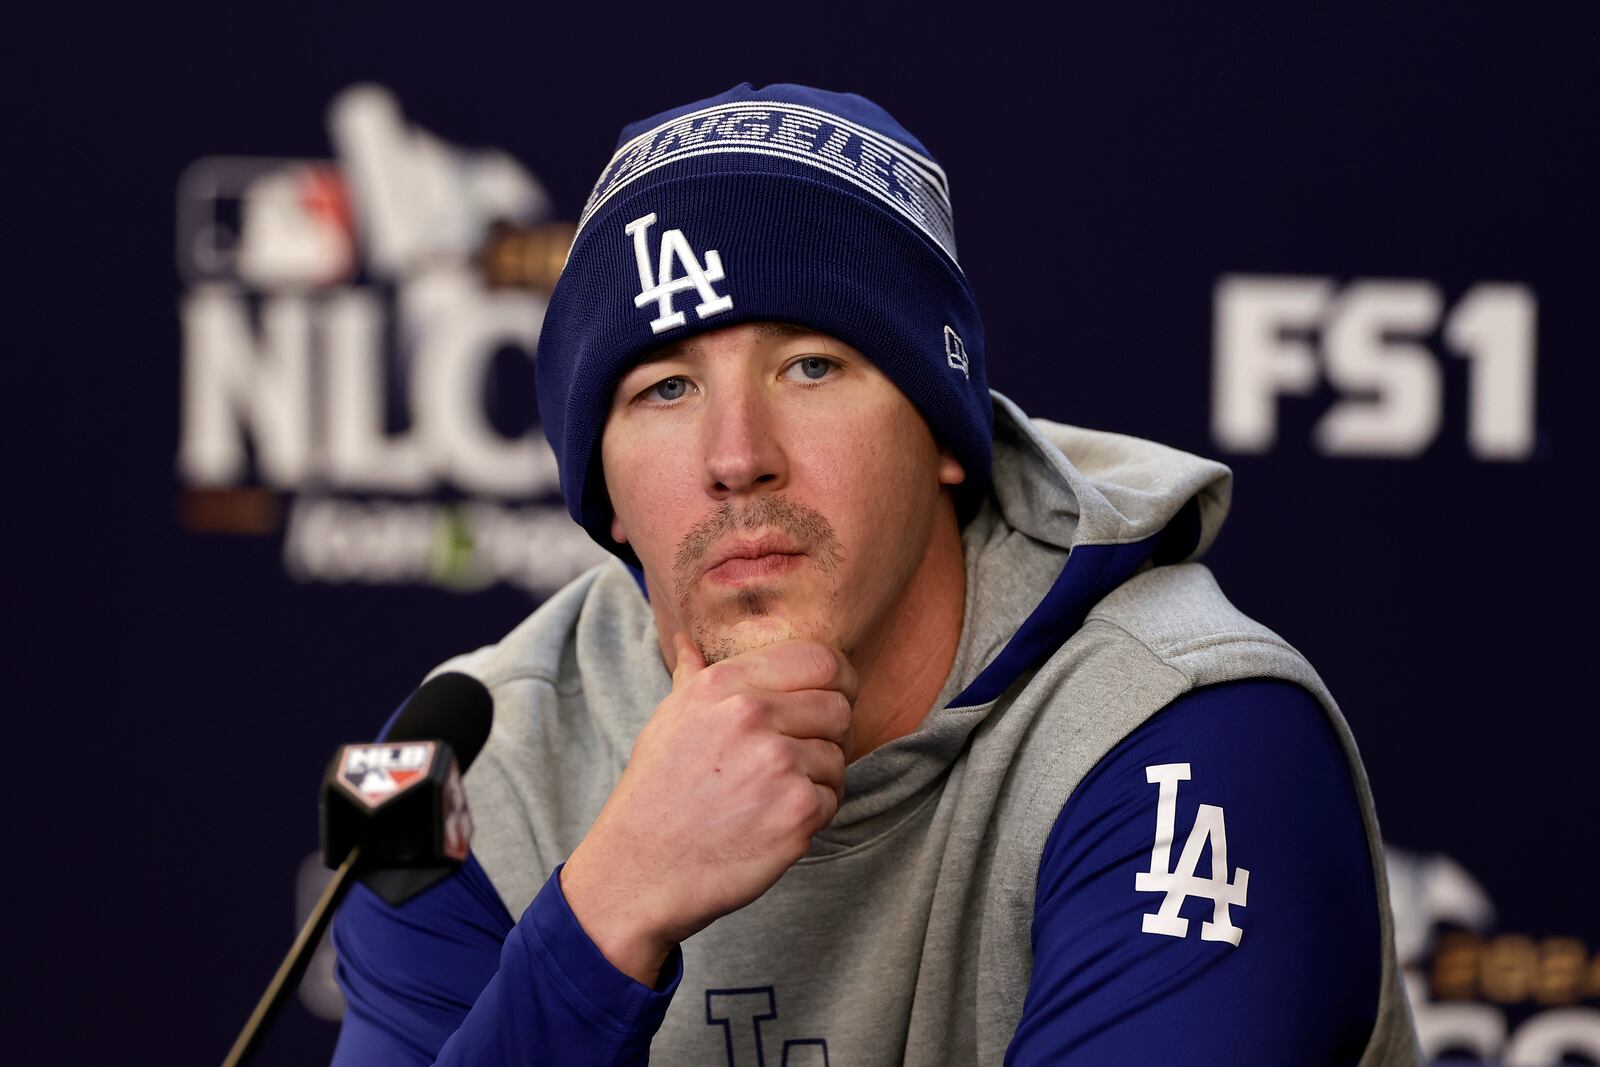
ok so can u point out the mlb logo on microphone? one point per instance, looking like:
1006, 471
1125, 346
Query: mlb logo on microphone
376, 773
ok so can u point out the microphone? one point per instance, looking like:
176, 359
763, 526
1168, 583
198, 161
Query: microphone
452, 707
394, 814
425, 834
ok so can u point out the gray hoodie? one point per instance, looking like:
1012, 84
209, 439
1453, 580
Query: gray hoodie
904, 934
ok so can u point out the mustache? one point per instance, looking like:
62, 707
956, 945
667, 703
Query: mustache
806, 526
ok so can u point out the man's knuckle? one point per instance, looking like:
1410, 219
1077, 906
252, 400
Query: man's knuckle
820, 663
824, 805
745, 711
805, 802
841, 714
806, 664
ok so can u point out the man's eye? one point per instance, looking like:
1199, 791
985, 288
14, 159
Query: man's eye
667, 389
813, 367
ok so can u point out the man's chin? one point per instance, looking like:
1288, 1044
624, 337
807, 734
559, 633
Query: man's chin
730, 639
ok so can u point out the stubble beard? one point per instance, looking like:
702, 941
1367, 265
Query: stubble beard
710, 632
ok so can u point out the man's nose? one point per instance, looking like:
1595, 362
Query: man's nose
742, 452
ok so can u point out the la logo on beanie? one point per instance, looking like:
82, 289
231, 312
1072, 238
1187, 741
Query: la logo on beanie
661, 286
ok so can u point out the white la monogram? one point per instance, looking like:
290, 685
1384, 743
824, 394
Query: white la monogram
1182, 882
662, 286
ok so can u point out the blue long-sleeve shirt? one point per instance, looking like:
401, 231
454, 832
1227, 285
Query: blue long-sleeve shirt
450, 978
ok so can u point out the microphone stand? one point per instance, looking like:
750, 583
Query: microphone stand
294, 964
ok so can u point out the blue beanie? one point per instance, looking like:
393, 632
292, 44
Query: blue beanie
785, 204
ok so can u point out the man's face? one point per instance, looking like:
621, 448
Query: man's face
774, 484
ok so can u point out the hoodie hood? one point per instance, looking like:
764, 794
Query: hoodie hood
1095, 508
1068, 486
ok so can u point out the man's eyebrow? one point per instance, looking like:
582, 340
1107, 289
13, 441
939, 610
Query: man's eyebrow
780, 329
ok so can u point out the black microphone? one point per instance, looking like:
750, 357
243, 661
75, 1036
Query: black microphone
451, 707
422, 850
393, 814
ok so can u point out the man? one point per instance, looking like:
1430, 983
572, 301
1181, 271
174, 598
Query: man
900, 731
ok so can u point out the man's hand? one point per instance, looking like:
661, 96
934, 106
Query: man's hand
735, 771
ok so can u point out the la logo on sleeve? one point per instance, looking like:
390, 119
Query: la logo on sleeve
1181, 882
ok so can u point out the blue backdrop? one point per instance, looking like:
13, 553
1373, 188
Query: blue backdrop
271, 449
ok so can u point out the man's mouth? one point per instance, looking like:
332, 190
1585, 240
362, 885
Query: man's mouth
728, 550
742, 561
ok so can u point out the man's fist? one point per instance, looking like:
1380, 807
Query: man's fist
735, 771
